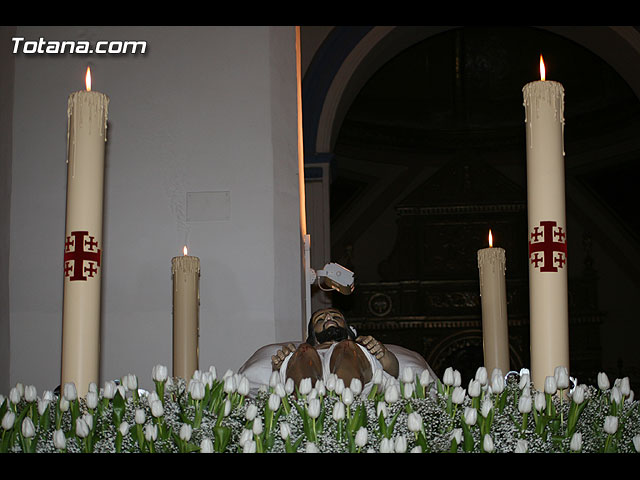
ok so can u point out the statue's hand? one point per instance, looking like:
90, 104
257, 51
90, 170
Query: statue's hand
376, 348
281, 354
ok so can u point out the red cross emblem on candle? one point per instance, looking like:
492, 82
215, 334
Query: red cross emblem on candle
548, 247
74, 260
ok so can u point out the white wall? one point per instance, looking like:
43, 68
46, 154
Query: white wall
206, 109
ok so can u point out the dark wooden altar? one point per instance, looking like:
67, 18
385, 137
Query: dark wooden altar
429, 299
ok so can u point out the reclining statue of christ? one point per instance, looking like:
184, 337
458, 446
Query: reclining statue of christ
333, 348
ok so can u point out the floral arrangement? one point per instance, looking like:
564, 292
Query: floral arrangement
414, 413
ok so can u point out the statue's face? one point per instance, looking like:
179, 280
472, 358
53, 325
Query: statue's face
326, 318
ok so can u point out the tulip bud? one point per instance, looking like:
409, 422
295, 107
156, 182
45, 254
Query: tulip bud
381, 408
616, 396
206, 445
576, 442
409, 388
481, 375
305, 386
150, 432
470, 416
130, 382
562, 377
425, 378
539, 401
636, 442
229, 384
625, 387
123, 428
249, 447
274, 402
457, 378
448, 377
331, 382
140, 416
159, 373
110, 389
355, 386
524, 404
30, 393
243, 386
521, 446
487, 443
524, 381
414, 422
386, 445
458, 395
550, 386
338, 411
339, 388
407, 375
578, 394
485, 407
63, 404
251, 412
185, 432
377, 376
88, 419
497, 381
213, 372
92, 400
475, 388
313, 408
285, 430
42, 405
361, 437
82, 429
456, 434
258, 427
610, 424
603, 381
157, 409
400, 444
197, 390
311, 448
59, 440
245, 436
8, 420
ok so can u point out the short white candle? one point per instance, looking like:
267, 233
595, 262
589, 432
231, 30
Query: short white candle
186, 307
493, 294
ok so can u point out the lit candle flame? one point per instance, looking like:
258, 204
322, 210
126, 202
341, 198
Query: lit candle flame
87, 79
184, 250
490, 239
542, 69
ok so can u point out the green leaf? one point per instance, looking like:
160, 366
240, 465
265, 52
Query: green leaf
118, 409
221, 435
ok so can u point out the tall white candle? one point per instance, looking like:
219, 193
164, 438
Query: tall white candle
87, 128
548, 291
493, 294
186, 308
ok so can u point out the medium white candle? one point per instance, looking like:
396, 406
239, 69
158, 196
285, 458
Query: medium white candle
186, 307
548, 292
86, 133
493, 294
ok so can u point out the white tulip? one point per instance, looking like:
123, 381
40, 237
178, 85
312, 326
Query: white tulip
274, 402
331, 382
475, 388
448, 377
457, 378
280, 390
285, 430
524, 404
616, 395
8, 420
150, 432
251, 412
229, 384
243, 386
305, 386
636, 442
92, 400
470, 416
576, 442
157, 409
625, 387
603, 381
521, 446
487, 443
481, 375
289, 386
338, 411
339, 388
485, 407
313, 408
59, 440
456, 434
30, 393
347, 396
458, 395
15, 396
407, 375
130, 382
159, 373
425, 378
409, 388
578, 394
381, 408
140, 416
311, 448
414, 422
610, 424
386, 445
258, 427
361, 437
524, 382
391, 393
245, 436
186, 430
355, 386
109, 390
400, 444
562, 377
206, 445
123, 428
539, 401
82, 429
88, 419
377, 376
497, 381
213, 372
249, 447
42, 405
550, 385
63, 404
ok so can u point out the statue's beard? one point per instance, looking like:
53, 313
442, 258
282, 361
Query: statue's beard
332, 334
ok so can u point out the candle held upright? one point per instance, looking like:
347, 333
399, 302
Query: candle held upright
186, 310
493, 295
548, 290
86, 135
